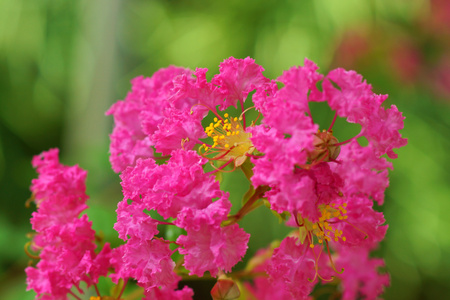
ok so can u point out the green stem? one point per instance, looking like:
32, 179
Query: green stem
250, 205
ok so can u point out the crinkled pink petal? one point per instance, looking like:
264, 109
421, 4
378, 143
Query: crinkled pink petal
101, 264
149, 262
208, 246
363, 172
138, 116
364, 226
293, 266
280, 154
353, 98
264, 288
186, 293
171, 187
213, 214
212, 248
361, 276
264, 99
118, 263
296, 194
237, 78
45, 282
350, 96
56, 180
384, 132
126, 148
200, 94
132, 221
65, 241
180, 129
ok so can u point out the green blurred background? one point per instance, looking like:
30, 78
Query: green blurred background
64, 62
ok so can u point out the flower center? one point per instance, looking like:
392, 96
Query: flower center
322, 229
230, 141
325, 148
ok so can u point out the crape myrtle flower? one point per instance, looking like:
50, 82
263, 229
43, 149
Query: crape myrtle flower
326, 186
64, 240
182, 191
174, 104
323, 187
175, 219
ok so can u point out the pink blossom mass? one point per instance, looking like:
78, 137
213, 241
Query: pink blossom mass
180, 142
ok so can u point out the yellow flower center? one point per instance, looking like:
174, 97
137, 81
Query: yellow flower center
323, 229
230, 141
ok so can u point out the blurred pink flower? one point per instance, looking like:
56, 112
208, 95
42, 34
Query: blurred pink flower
65, 241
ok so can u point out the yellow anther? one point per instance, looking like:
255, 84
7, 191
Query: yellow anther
222, 137
215, 119
233, 133
235, 119
344, 238
344, 205
320, 241
226, 115
227, 146
237, 127
237, 131
228, 133
311, 245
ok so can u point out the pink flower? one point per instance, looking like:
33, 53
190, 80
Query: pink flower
212, 248
324, 186
147, 261
363, 172
361, 276
355, 100
361, 225
237, 78
66, 242
179, 129
208, 246
132, 221
169, 188
295, 267
138, 116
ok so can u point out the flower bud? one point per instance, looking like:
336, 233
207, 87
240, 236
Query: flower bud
225, 289
324, 147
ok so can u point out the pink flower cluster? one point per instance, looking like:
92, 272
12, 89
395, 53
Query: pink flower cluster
181, 191
65, 241
171, 128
